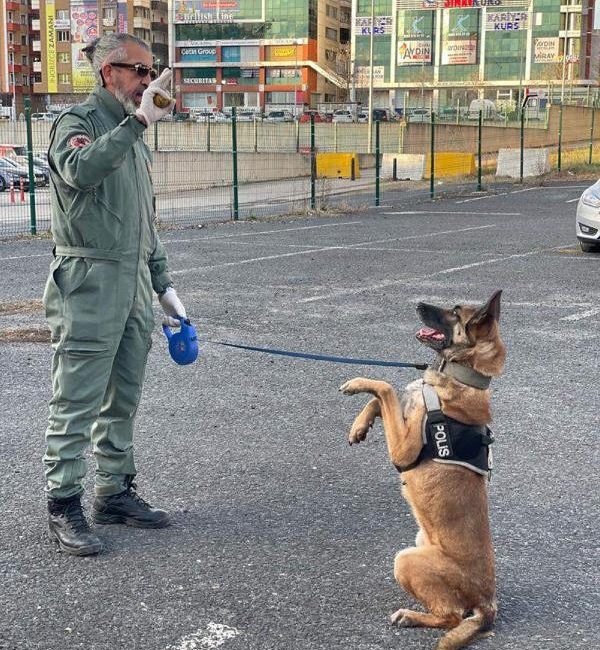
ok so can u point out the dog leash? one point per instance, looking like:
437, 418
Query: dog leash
323, 357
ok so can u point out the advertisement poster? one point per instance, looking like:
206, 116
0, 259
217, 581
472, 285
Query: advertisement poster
84, 28
201, 76
416, 25
507, 21
414, 53
383, 25
459, 52
122, 23
362, 75
546, 50
51, 47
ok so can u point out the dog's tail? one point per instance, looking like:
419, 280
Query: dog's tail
470, 628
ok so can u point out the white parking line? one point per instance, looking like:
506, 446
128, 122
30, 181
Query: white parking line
214, 636
391, 283
572, 200
251, 260
581, 315
260, 232
480, 198
483, 214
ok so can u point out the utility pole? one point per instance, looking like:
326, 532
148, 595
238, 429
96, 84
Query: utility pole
370, 117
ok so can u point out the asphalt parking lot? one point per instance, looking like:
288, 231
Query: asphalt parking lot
284, 535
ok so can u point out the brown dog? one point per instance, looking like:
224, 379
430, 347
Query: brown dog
451, 568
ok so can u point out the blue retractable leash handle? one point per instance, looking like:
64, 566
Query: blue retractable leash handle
183, 345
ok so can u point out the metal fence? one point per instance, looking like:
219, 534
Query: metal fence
245, 170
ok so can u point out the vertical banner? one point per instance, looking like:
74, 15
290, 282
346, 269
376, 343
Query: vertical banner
84, 28
51, 47
122, 26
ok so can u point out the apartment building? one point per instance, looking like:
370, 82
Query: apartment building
15, 56
60, 29
260, 53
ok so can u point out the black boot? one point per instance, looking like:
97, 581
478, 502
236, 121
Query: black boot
68, 526
128, 508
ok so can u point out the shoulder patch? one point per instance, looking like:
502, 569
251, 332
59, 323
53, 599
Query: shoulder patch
78, 141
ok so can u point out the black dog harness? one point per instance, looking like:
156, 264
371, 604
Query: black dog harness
446, 440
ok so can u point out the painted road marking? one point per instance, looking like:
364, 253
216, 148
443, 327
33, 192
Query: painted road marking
391, 283
483, 214
325, 249
214, 636
572, 200
480, 198
582, 314
261, 232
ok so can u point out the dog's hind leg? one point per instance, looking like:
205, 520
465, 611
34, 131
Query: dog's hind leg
364, 421
434, 580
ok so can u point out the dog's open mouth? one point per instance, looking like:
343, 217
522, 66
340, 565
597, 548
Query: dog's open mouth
431, 336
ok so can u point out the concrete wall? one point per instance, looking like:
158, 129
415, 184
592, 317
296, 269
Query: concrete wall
190, 170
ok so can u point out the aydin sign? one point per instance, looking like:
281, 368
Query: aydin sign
414, 52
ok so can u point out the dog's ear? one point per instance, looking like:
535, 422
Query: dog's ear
490, 311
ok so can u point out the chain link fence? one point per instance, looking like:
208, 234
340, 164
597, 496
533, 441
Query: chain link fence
239, 169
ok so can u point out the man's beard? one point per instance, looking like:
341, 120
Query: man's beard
126, 102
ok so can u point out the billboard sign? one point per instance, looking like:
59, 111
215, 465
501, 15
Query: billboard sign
198, 54
84, 28
200, 76
415, 25
414, 52
122, 17
362, 25
51, 47
507, 21
205, 11
546, 50
461, 52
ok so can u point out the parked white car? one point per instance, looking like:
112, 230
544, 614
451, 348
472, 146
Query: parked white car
419, 115
587, 219
279, 116
342, 116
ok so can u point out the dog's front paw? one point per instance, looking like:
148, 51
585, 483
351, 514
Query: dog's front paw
402, 618
354, 386
358, 432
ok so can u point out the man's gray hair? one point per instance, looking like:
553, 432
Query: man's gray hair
109, 49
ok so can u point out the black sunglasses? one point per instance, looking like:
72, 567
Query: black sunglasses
141, 69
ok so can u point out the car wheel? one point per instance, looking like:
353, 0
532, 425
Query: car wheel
589, 248
2, 184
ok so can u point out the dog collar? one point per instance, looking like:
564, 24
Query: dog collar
463, 374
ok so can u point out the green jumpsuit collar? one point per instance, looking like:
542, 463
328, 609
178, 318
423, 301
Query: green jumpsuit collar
110, 103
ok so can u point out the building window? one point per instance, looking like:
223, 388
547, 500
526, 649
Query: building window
24, 59
63, 36
330, 55
9, 17
25, 80
37, 77
64, 57
109, 16
11, 78
23, 19
11, 57
64, 78
63, 15
11, 37
23, 39
330, 11
331, 34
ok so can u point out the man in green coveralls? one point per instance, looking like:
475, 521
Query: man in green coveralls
98, 297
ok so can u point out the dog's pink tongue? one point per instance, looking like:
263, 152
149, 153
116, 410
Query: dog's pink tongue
430, 333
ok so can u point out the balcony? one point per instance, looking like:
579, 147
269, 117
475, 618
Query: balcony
158, 5
142, 23
35, 5
142, 3
35, 25
11, 5
109, 22
37, 66
36, 46
13, 27
160, 27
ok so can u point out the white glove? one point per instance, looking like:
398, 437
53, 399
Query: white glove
149, 112
172, 306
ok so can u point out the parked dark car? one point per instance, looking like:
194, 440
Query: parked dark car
10, 172
40, 170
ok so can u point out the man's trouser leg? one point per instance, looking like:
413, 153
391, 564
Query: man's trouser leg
84, 301
112, 435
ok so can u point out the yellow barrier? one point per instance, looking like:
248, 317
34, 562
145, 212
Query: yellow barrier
337, 165
451, 163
